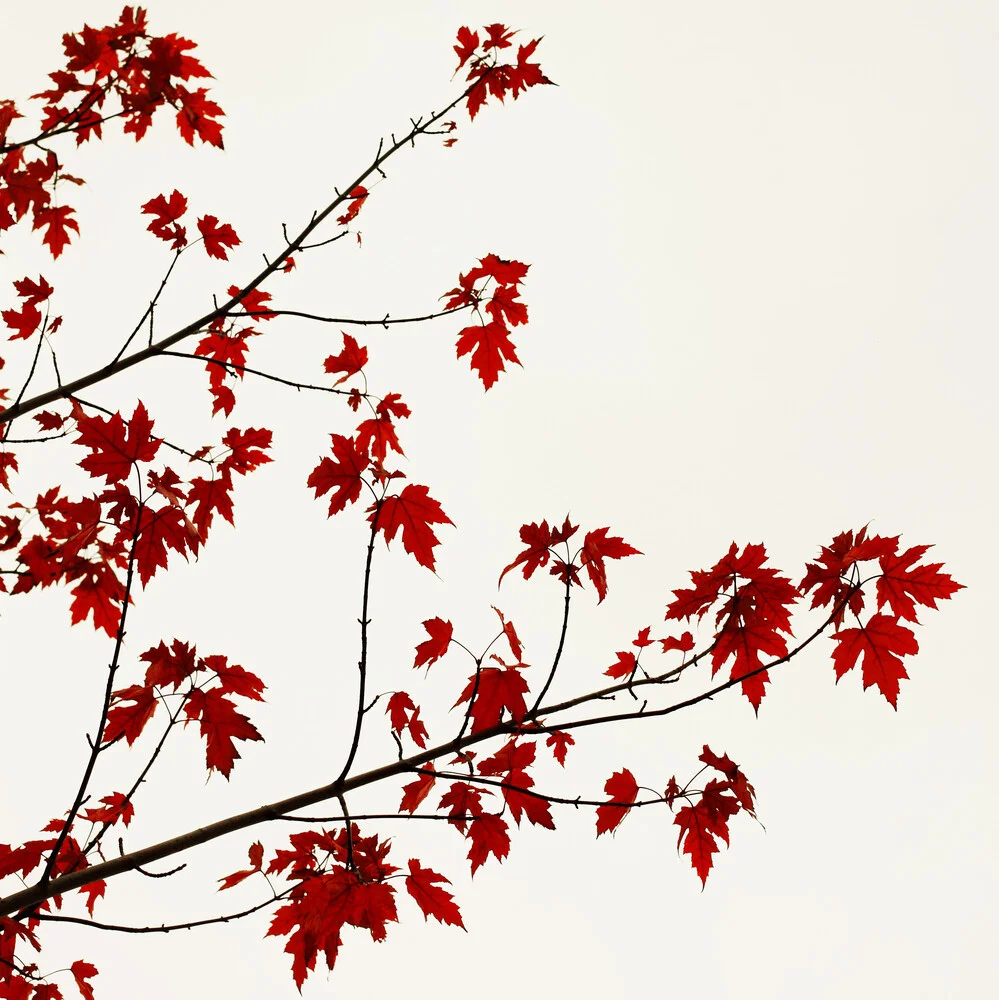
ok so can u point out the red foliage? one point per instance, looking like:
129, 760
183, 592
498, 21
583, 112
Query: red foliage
106, 543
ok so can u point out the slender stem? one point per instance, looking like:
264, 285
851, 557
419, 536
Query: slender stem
362, 663
558, 652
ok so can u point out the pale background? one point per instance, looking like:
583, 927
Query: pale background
763, 248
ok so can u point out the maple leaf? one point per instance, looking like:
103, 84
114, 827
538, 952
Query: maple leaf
57, 223
196, 117
495, 690
881, 642
489, 344
432, 899
169, 665
431, 650
233, 678
357, 196
254, 302
342, 474
413, 511
488, 834
115, 447
623, 790
220, 724
8, 462
685, 643
903, 585
560, 742
256, 854
350, 360
217, 237
625, 665
378, 434
516, 647
468, 42
246, 449
129, 720
82, 971
166, 212
416, 791
539, 539
702, 822
48, 421
596, 548
160, 530
402, 714
116, 807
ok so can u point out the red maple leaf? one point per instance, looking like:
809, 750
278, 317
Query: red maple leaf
903, 585
432, 649
560, 742
116, 807
166, 212
356, 196
378, 433
432, 899
468, 42
114, 446
490, 345
256, 854
217, 237
881, 642
623, 790
488, 834
596, 548
57, 223
496, 690
82, 971
412, 511
196, 117
404, 714
220, 724
625, 665
254, 302
350, 360
129, 720
685, 643
342, 474
708, 818
416, 791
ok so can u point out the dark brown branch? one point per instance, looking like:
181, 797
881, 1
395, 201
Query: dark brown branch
122, 364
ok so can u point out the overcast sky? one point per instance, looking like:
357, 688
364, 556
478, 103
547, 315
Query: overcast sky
763, 250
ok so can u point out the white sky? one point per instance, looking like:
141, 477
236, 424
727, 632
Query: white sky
763, 247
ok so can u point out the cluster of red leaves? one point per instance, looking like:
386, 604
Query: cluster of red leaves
752, 605
487, 75
702, 821
225, 346
26, 320
31, 855
167, 213
90, 543
540, 541
209, 683
753, 609
142, 72
341, 882
488, 341
881, 641
357, 462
